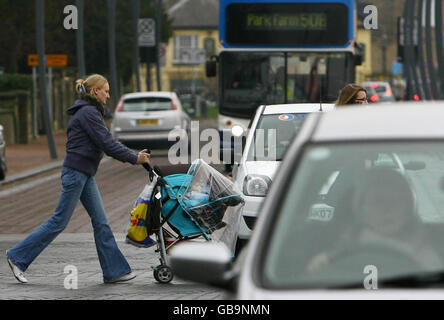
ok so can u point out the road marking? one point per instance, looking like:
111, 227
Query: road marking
32, 184
28, 185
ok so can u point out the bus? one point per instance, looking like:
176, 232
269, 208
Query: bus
282, 51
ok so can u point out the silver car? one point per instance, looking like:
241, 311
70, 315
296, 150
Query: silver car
341, 220
3, 167
150, 116
379, 92
272, 129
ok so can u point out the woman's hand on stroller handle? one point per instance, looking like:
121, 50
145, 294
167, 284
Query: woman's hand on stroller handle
143, 156
150, 168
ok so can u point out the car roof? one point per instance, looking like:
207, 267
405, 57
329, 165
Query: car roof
297, 107
166, 94
407, 120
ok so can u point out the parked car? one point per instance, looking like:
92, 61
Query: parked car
379, 92
341, 219
3, 167
271, 131
144, 117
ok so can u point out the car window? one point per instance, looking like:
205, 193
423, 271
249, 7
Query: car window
147, 104
383, 97
381, 89
349, 207
273, 135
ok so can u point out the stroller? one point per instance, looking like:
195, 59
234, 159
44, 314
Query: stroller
192, 205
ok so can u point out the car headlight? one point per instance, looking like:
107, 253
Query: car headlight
256, 185
237, 130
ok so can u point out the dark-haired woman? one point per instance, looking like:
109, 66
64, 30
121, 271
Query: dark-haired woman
352, 94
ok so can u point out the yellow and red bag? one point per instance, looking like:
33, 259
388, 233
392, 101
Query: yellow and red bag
137, 231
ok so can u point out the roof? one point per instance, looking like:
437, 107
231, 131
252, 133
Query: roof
147, 94
191, 14
408, 120
297, 107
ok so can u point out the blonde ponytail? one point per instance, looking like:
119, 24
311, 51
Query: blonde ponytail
80, 86
86, 87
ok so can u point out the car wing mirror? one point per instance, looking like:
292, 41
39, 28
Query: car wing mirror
211, 67
206, 263
358, 59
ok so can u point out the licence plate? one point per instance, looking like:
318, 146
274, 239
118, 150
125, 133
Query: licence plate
148, 122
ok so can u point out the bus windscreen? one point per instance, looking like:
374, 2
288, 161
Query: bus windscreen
250, 79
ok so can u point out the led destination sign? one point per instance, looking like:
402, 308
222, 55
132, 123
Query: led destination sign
287, 24
300, 21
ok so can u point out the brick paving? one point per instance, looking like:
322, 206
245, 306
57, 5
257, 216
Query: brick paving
23, 157
46, 274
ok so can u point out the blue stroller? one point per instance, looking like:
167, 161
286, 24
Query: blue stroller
192, 205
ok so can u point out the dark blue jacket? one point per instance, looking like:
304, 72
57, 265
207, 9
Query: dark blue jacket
89, 138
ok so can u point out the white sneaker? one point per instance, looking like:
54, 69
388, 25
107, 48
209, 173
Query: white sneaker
123, 278
18, 274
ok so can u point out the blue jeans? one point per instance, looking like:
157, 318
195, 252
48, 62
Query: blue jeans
75, 186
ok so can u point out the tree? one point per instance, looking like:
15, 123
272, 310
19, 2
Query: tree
17, 34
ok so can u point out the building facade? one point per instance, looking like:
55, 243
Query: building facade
195, 38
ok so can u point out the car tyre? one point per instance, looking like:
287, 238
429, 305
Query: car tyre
2, 173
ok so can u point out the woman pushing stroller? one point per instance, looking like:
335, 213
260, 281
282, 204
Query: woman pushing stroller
88, 140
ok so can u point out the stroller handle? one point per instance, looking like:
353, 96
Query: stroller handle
152, 170
147, 166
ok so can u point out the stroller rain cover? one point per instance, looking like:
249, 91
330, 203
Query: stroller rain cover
205, 194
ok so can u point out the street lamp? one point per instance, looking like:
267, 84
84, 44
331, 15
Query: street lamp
112, 49
40, 37
80, 41
384, 43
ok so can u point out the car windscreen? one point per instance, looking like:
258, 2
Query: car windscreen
273, 134
147, 104
357, 215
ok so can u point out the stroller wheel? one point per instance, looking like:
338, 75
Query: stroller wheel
163, 274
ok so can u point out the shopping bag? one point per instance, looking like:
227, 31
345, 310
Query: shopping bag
137, 231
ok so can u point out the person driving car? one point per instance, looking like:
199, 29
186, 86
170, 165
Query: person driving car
385, 224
